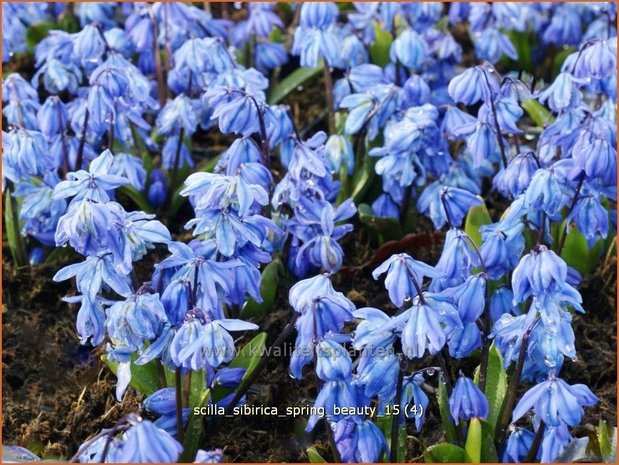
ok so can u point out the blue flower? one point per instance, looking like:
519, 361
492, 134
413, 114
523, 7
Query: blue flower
384, 206
229, 377
130, 167
52, 117
93, 184
467, 400
501, 248
375, 330
158, 189
404, 276
464, 340
202, 341
597, 58
90, 322
482, 143
93, 273
409, 48
145, 442
508, 332
318, 15
412, 393
517, 446
546, 192
240, 115
25, 154
491, 45
211, 456
596, 156
423, 330
565, 27
371, 442
457, 123
377, 372
501, 302
169, 150
333, 394
312, 44
556, 439
469, 297
339, 152
563, 93
322, 310
134, 321
473, 85
177, 114
262, 20
161, 402
458, 256
540, 272
333, 363
590, 217
556, 402
443, 204
515, 178
270, 56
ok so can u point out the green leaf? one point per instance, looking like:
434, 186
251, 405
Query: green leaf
249, 356
443, 406
444, 453
68, 23
384, 423
314, 456
137, 197
144, 378
521, 41
292, 81
37, 32
196, 387
576, 251
269, 283
13, 234
379, 50
488, 449
477, 217
362, 178
540, 115
496, 385
604, 440
194, 430
57, 254
472, 447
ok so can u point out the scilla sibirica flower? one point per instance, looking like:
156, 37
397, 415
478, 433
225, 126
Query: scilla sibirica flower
467, 401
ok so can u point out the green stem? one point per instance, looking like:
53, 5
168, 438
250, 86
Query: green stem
537, 441
512, 390
329, 97
395, 423
178, 378
14, 237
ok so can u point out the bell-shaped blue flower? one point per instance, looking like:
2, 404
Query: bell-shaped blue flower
473, 85
518, 445
145, 442
467, 400
404, 276
556, 402
409, 48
